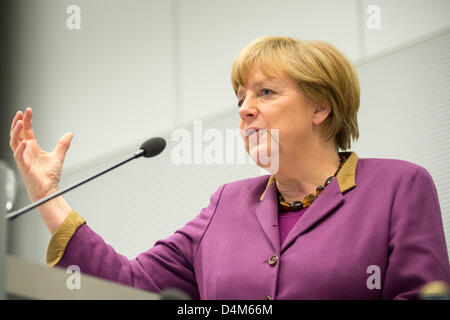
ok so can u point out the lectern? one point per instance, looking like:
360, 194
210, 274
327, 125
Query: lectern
27, 280
20, 279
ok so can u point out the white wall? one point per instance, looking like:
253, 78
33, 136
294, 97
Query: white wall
403, 21
213, 32
111, 82
141, 68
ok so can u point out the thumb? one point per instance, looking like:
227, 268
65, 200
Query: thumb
62, 146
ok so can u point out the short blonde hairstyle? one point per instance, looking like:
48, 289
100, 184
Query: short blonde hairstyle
324, 75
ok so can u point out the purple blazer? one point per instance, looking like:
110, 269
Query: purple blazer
375, 232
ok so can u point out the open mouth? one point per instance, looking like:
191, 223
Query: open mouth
251, 131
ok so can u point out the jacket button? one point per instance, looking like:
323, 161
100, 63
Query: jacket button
273, 260
268, 298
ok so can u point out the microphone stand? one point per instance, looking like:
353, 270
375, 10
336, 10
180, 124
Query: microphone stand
31, 206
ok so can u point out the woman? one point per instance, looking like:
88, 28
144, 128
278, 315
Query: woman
324, 225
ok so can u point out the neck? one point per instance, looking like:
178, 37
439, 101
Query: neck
300, 173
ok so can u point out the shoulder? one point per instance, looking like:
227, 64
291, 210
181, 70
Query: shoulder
391, 170
255, 185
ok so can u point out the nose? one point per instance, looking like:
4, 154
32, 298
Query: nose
248, 108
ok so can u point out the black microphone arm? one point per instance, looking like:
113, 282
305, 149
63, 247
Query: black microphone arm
149, 148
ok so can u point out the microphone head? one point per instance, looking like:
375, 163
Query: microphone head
152, 147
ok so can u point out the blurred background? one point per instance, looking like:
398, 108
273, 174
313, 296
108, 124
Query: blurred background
117, 72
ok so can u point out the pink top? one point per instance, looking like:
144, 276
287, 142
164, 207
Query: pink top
287, 220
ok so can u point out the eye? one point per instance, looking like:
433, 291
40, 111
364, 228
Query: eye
240, 102
266, 91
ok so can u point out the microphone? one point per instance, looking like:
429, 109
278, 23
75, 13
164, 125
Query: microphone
150, 148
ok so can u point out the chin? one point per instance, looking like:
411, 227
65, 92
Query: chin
264, 159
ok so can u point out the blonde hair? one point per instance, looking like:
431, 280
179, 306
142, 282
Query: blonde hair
325, 76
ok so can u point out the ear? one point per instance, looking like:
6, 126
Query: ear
320, 113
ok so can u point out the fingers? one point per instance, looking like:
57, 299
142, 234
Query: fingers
18, 116
62, 146
21, 128
18, 155
16, 138
28, 132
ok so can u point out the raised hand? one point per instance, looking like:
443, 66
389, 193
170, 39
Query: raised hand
40, 170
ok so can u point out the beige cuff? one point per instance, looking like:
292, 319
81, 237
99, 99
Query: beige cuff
61, 237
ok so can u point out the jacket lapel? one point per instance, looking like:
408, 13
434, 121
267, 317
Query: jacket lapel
328, 201
267, 214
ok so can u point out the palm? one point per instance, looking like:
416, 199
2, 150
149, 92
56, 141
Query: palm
40, 170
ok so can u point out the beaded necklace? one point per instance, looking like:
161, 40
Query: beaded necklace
309, 199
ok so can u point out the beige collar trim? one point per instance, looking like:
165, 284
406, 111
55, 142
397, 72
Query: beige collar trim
345, 177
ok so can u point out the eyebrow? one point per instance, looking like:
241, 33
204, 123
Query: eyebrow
258, 83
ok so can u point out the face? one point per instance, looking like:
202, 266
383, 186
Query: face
268, 103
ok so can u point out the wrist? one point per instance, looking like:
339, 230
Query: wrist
54, 212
